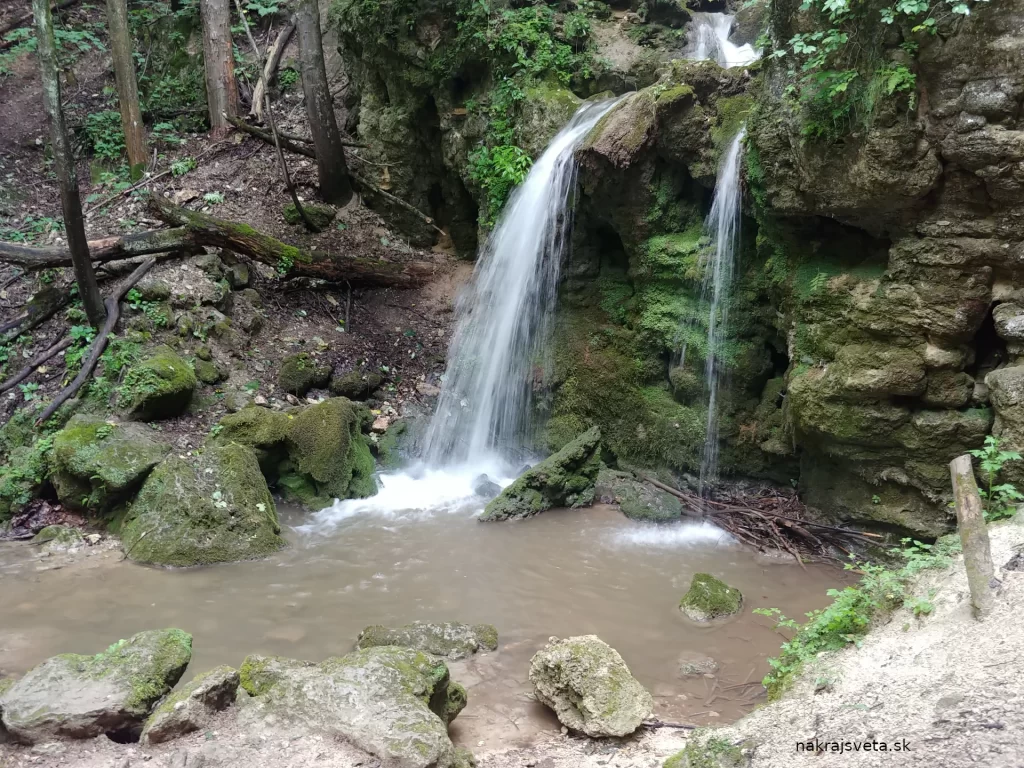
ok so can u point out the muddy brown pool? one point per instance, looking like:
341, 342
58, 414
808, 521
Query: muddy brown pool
563, 573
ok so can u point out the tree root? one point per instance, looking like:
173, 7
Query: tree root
29, 369
113, 306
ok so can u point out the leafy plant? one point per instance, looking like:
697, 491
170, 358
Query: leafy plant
105, 134
29, 390
498, 170
183, 166
1000, 500
213, 198
848, 617
154, 310
287, 78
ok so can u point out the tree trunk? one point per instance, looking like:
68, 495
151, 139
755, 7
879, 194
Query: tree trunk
64, 166
127, 87
219, 61
970, 521
335, 186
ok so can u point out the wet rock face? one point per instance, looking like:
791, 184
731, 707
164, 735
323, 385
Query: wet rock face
80, 697
394, 703
563, 479
637, 500
588, 685
452, 640
211, 508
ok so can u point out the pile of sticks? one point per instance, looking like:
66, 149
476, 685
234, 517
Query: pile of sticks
771, 518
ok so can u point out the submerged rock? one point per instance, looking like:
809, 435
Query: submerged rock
710, 598
485, 487
452, 639
59, 538
97, 463
693, 664
301, 373
159, 386
394, 703
211, 508
637, 500
190, 708
564, 479
590, 688
79, 697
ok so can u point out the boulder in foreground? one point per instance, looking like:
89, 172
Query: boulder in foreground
189, 709
452, 639
394, 703
80, 697
565, 479
590, 688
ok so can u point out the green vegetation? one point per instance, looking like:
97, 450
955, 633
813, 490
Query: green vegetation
498, 170
1000, 500
848, 618
706, 753
839, 71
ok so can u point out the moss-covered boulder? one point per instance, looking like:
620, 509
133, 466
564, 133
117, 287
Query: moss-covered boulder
637, 500
159, 386
565, 479
190, 707
210, 508
394, 703
328, 455
710, 598
452, 640
98, 463
301, 373
355, 384
80, 697
590, 688
319, 216
262, 429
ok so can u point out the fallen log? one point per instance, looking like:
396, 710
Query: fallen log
243, 239
288, 140
29, 369
193, 230
273, 60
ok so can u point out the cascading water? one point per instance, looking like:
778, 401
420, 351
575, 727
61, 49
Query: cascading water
709, 40
718, 265
482, 414
483, 409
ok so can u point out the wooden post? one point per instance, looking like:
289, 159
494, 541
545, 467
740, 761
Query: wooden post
973, 535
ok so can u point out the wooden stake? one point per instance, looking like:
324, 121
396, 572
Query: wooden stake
970, 520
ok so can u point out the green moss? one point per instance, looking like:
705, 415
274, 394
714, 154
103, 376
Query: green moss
320, 216
455, 701
301, 373
732, 112
710, 598
159, 386
325, 443
709, 753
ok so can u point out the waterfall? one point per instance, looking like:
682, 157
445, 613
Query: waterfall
709, 40
718, 264
501, 325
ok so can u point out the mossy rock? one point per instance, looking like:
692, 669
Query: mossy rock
564, 479
190, 707
159, 386
590, 688
452, 640
211, 508
97, 463
301, 373
388, 447
210, 372
80, 697
355, 385
320, 216
326, 445
395, 703
710, 598
637, 500
59, 538
710, 753
262, 429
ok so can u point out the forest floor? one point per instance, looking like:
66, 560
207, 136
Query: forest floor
402, 333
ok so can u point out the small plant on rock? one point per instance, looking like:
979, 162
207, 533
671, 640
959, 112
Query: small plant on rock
1000, 500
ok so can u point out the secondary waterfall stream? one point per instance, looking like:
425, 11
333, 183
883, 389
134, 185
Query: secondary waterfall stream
709, 40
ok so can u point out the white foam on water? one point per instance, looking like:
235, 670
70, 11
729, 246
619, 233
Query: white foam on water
684, 535
709, 40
